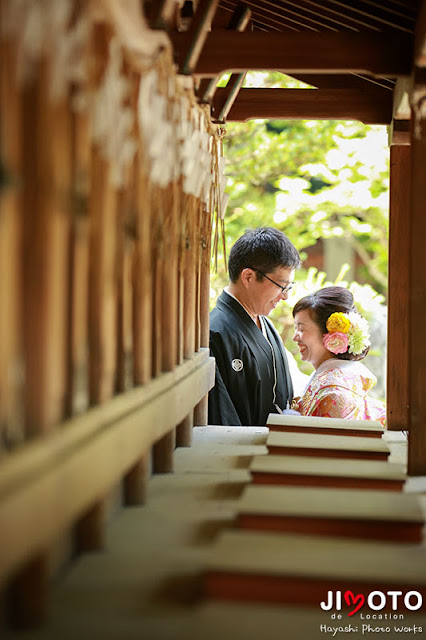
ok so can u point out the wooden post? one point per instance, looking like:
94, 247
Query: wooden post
417, 308
157, 250
184, 431
190, 278
142, 280
205, 278
46, 198
162, 459
11, 427
399, 293
89, 530
77, 398
27, 594
135, 483
201, 412
169, 287
181, 273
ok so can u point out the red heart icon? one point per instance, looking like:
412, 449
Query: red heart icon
350, 600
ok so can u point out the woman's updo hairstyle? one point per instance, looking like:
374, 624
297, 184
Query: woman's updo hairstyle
321, 304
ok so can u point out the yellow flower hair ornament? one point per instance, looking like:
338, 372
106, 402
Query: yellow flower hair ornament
346, 332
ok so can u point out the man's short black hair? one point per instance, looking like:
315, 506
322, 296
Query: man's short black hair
264, 248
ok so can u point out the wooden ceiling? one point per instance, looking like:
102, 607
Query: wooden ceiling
351, 52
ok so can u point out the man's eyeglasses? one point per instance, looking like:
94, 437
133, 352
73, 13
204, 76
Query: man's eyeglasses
285, 289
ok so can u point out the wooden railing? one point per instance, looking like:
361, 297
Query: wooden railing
109, 190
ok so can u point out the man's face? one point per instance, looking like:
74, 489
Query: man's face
265, 295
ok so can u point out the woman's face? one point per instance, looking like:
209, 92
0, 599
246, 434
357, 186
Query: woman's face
308, 337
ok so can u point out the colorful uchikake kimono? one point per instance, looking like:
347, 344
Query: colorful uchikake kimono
338, 389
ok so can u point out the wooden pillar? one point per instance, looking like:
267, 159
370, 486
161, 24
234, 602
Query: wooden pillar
399, 292
201, 412
77, 399
169, 287
11, 427
190, 204
142, 279
162, 455
89, 530
27, 594
46, 204
417, 308
136, 483
184, 431
157, 257
205, 279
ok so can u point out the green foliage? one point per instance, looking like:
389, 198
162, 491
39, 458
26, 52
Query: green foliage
312, 179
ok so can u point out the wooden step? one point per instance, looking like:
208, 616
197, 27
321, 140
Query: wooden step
341, 512
326, 426
323, 472
292, 569
324, 446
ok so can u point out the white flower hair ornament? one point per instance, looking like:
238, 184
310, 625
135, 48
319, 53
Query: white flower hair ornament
346, 332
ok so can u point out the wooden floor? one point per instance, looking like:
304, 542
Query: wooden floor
147, 583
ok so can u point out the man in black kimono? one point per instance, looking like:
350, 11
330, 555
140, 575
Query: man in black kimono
252, 371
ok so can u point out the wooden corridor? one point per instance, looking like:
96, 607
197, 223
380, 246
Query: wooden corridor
111, 202
147, 582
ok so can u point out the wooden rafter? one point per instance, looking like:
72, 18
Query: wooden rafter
239, 22
377, 54
194, 39
374, 107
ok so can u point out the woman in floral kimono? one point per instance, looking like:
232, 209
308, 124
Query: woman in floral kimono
333, 336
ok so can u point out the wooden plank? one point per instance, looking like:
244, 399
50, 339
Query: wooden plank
381, 54
339, 512
47, 485
325, 446
397, 393
318, 472
417, 286
284, 568
326, 426
46, 194
371, 106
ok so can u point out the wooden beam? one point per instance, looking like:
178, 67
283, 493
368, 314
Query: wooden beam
371, 53
197, 34
373, 107
398, 303
399, 133
417, 280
